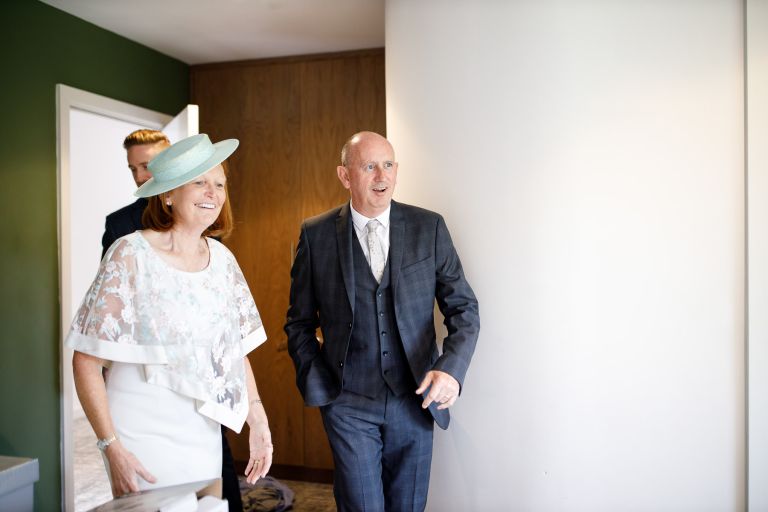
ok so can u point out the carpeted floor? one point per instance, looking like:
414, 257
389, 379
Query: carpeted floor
308, 497
92, 485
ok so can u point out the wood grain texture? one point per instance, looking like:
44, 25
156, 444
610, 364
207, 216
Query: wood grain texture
292, 116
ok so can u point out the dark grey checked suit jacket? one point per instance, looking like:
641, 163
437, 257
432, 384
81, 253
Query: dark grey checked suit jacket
424, 266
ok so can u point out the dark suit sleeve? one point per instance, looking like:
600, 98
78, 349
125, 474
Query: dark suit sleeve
458, 305
302, 320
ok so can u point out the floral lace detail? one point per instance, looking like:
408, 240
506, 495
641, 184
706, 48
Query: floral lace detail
191, 330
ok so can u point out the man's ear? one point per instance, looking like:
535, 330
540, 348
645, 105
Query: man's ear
343, 174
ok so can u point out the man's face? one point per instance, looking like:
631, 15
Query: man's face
138, 159
370, 174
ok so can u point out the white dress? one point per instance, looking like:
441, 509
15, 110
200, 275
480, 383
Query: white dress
176, 341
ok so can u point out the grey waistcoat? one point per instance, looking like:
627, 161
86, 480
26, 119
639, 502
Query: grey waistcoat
375, 357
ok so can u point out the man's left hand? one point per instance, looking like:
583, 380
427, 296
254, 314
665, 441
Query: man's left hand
443, 389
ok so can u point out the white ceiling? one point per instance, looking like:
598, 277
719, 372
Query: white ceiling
202, 31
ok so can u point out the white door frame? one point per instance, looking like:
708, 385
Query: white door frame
68, 98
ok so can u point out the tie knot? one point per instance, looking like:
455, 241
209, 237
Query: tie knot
373, 225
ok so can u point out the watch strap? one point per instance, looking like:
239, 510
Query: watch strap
102, 444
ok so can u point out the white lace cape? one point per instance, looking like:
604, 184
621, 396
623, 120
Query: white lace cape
190, 330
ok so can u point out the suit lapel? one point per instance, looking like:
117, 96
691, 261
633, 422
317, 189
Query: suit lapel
344, 243
396, 243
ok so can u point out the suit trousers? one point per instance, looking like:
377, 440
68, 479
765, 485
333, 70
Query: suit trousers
382, 451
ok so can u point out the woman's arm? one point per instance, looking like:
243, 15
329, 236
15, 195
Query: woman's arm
259, 438
123, 465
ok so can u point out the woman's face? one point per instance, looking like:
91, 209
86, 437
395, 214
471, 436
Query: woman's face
198, 203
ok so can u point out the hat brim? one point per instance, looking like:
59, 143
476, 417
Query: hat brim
222, 151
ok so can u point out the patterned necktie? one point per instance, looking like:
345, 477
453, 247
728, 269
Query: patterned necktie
374, 249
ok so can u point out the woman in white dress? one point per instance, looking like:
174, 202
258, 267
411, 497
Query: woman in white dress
170, 314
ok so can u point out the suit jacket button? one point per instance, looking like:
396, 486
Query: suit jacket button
350, 325
341, 364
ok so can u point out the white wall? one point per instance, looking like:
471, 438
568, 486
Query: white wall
588, 157
757, 173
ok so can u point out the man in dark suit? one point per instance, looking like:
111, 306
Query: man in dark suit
368, 274
141, 147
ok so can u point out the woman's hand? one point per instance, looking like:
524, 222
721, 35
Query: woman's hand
260, 454
125, 469
259, 436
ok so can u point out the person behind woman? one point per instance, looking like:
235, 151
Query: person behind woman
171, 315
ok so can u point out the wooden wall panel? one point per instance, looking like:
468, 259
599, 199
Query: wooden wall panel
292, 116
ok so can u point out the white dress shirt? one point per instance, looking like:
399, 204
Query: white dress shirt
360, 221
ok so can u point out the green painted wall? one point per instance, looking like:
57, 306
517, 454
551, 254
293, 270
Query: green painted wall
41, 46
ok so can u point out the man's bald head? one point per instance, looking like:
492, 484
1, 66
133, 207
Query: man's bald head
350, 149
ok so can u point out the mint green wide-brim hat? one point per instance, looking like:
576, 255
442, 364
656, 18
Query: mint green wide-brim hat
183, 162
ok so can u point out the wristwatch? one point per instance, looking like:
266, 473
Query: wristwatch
102, 444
